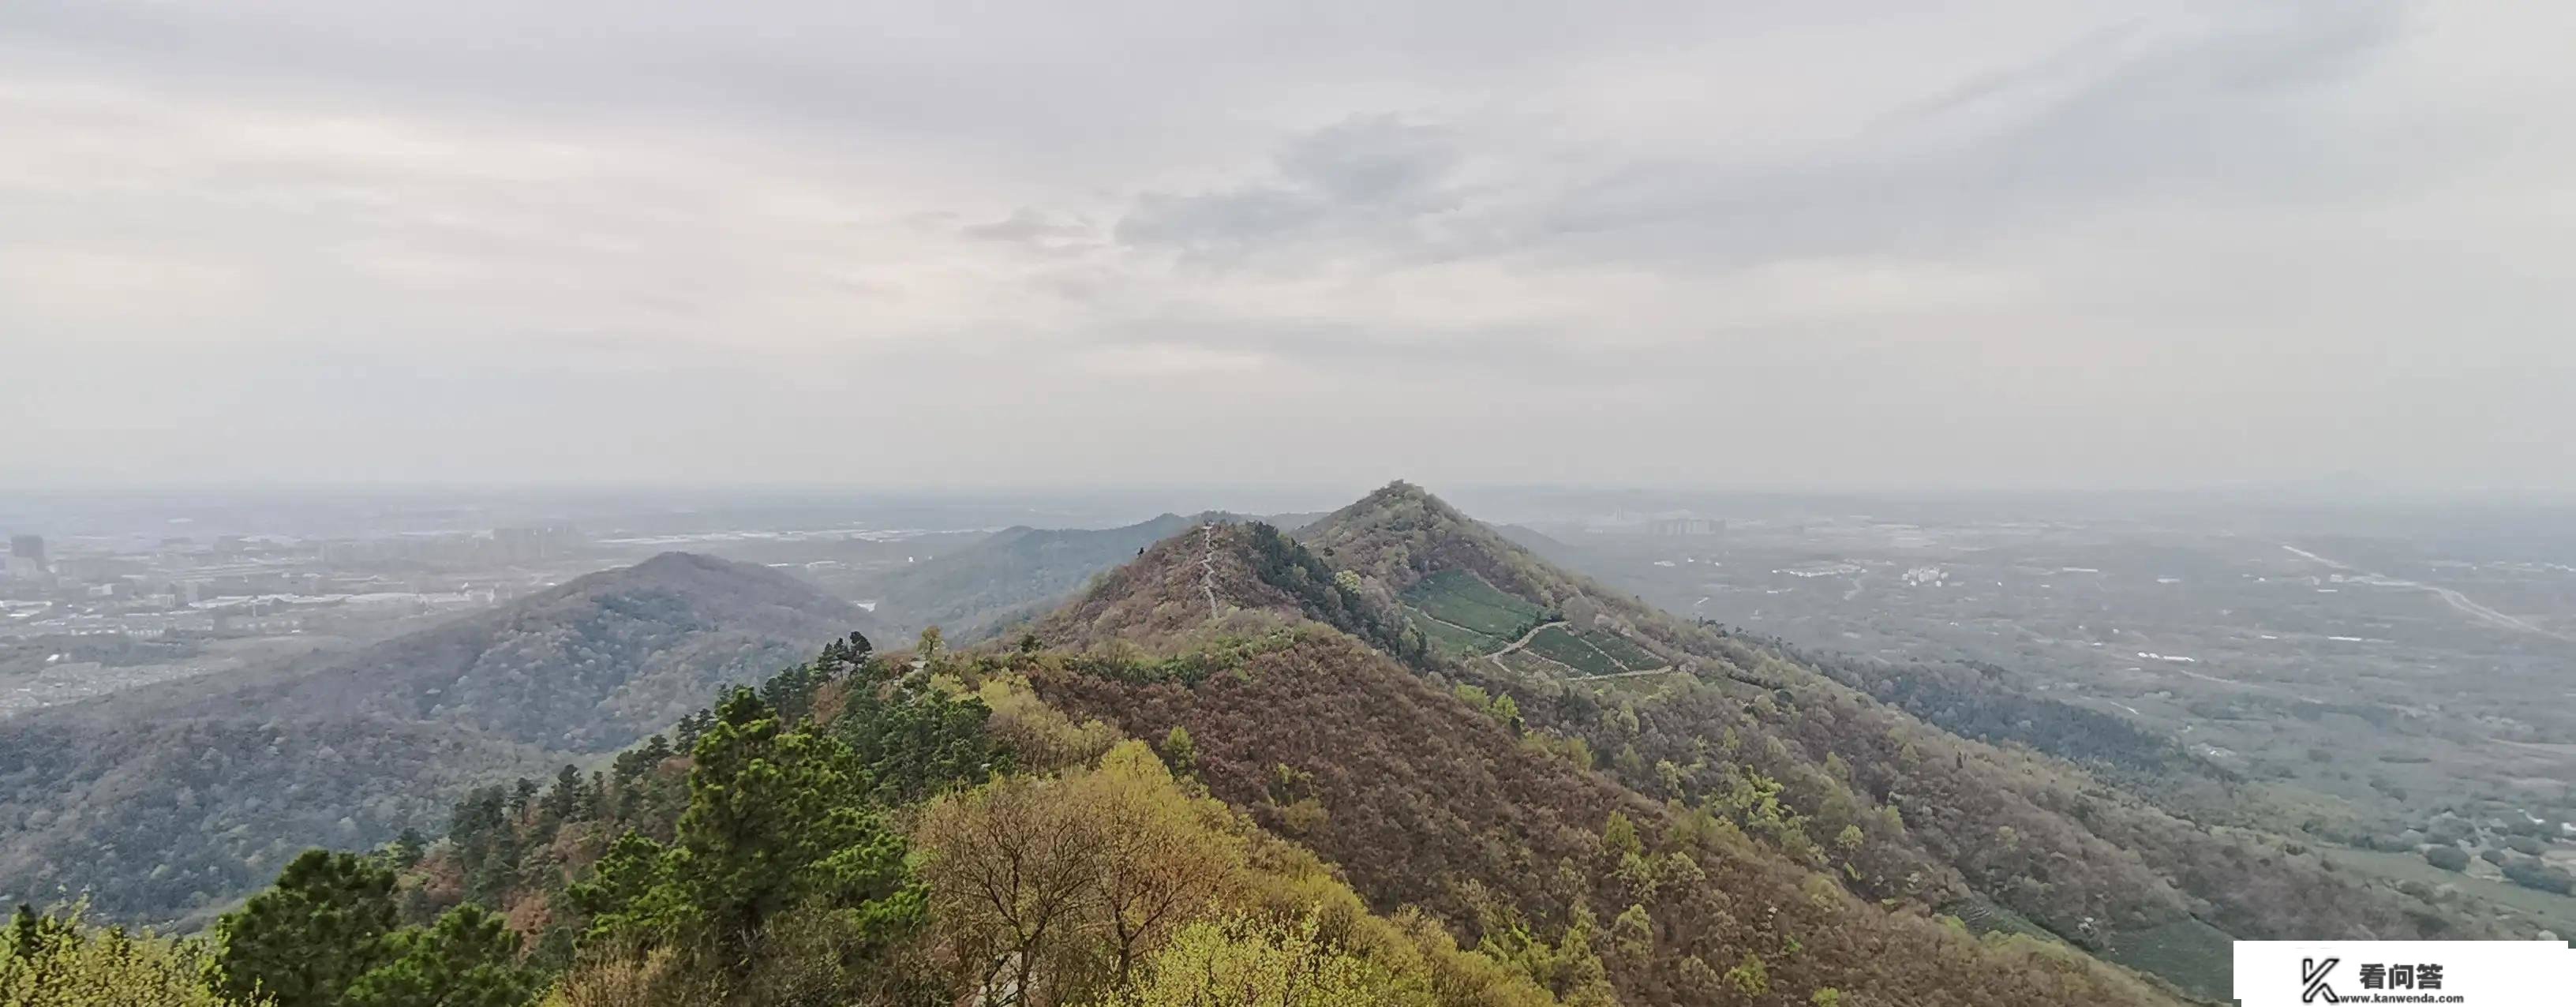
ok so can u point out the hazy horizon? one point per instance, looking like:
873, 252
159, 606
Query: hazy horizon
2005, 247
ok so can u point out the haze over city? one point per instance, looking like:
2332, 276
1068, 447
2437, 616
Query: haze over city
1989, 246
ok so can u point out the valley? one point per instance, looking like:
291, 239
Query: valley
2109, 769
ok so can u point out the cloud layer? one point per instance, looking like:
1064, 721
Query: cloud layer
2011, 245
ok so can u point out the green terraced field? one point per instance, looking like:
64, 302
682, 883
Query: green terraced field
2192, 955
1623, 650
1572, 651
1984, 916
2199, 958
1463, 599
1448, 639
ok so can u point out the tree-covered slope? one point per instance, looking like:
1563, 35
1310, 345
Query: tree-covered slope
1238, 769
589, 666
169, 801
982, 826
1423, 800
1013, 575
1314, 707
1736, 718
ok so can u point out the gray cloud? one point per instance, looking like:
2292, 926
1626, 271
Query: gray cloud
2009, 243
1371, 177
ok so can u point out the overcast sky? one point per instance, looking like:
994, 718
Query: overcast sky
1797, 244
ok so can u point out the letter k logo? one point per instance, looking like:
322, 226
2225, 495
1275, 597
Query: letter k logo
2313, 973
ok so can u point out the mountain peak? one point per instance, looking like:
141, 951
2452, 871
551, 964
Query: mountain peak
1400, 493
1225, 575
1185, 580
1402, 533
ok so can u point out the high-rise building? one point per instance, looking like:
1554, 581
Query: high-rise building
27, 557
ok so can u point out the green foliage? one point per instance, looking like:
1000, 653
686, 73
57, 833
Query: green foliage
1179, 752
1283, 563
1501, 707
1570, 967
1190, 667
1452, 641
1750, 977
1575, 651
630, 896
60, 961
1619, 837
324, 936
469, 958
912, 740
1256, 962
1618, 648
1633, 932
775, 819
305, 940
1462, 599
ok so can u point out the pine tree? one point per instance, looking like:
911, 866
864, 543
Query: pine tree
587, 806
773, 821
468, 959
566, 794
408, 848
27, 932
303, 941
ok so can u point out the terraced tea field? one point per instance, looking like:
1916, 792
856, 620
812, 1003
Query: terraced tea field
1448, 639
1624, 651
1464, 615
1565, 648
1593, 652
2188, 953
1464, 600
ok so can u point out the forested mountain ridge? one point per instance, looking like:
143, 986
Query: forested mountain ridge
1015, 575
1982, 825
1443, 798
170, 800
1316, 823
1410, 764
1020, 574
589, 666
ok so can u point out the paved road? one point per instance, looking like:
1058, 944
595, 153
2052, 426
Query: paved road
2461, 602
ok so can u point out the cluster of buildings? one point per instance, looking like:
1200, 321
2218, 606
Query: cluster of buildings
261, 585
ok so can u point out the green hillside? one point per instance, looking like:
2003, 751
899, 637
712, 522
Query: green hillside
1740, 721
165, 803
1010, 577
1239, 762
1191, 783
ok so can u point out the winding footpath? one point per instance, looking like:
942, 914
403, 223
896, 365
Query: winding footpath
1207, 566
1523, 641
